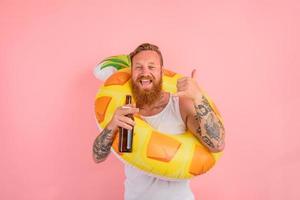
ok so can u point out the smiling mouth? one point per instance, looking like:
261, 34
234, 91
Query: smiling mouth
145, 82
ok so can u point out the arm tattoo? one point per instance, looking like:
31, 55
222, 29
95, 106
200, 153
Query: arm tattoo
102, 144
202, 109
211, 128
208, 141
204, 138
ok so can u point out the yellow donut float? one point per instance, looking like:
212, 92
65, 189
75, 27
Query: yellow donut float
171, 157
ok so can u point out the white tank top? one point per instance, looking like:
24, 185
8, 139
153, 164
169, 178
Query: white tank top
140, 186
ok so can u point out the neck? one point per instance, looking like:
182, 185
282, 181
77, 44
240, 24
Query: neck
156, 107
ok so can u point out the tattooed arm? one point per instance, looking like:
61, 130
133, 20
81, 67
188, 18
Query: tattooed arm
210, 129
203, 123
198, 115
102, 144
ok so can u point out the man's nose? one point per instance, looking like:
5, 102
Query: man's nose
145, 70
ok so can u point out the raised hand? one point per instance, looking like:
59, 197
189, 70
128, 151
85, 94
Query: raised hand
188, 87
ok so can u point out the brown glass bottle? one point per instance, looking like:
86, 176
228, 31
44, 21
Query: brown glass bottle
125, 135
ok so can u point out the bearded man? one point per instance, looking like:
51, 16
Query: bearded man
172, 114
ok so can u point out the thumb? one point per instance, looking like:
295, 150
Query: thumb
193, 75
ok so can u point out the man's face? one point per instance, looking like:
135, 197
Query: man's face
146, 69
146, 74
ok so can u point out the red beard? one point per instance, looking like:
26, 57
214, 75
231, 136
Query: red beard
146, 97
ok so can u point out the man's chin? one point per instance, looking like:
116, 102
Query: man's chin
146, 89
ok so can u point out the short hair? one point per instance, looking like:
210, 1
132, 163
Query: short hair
146, 47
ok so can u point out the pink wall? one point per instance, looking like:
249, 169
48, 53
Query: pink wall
247, 55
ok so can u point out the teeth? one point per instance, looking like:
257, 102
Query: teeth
145, 82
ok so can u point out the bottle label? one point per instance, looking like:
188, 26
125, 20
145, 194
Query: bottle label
129, 139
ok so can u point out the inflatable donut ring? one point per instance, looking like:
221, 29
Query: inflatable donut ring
110, 65
171, 157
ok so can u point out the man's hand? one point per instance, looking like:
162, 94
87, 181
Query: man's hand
200, 117
103, 142
189, 88
120, 119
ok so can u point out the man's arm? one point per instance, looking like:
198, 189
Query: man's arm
203, 122
103, 142
102, 145
198, 115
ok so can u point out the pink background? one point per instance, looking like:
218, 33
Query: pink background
247, 56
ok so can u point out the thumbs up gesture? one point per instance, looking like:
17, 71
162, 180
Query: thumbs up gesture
188, 87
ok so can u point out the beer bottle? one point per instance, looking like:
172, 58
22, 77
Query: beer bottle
125, 135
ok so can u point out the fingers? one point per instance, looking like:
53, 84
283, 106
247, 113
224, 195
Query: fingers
193, 74
182, 87
182, 84
125, 110
183, 79
130, 105
125, 122
187, 86
121, 120
186, 81
124, 125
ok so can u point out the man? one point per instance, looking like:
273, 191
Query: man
173, 114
